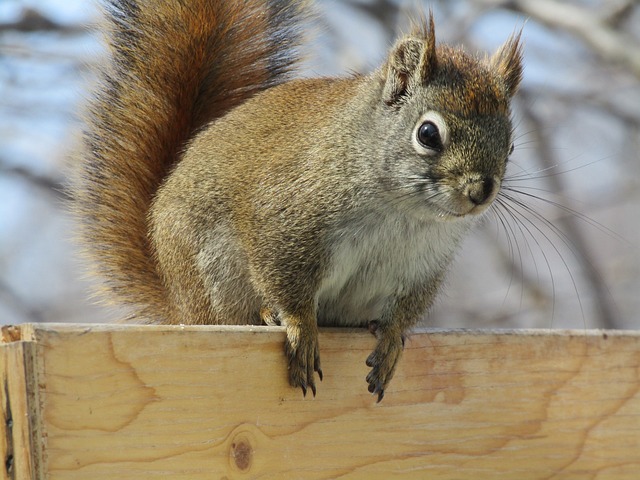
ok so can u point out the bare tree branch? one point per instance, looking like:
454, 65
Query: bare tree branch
47, 184
33, 21
610, 44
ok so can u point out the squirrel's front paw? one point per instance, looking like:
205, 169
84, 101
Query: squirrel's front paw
303, 354
384, 359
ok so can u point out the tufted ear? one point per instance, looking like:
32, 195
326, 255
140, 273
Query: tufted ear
507, 62
412, 61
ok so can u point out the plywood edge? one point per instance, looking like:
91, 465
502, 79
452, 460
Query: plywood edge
20, 435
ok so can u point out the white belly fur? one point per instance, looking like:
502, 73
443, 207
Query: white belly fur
376, 260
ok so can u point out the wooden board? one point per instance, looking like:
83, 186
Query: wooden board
141, 402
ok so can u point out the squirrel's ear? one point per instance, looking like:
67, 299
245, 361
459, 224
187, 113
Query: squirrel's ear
507, 62
411, 62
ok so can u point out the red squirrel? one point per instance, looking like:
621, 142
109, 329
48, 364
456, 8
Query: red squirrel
216, 189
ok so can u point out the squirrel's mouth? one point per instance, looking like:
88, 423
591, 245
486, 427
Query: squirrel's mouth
446, 214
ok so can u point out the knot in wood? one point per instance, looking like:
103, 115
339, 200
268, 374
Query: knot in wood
242, 453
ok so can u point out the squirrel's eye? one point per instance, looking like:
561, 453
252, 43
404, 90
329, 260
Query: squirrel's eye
513, 146
429, 136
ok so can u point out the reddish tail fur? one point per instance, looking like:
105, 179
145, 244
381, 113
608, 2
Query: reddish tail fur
175, 66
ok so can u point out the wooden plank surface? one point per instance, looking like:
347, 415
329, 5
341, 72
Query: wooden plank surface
213, 403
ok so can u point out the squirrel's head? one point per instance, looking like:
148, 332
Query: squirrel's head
449, 116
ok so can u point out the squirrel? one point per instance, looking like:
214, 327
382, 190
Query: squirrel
215, 188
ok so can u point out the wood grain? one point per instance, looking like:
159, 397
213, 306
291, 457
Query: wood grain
145, 402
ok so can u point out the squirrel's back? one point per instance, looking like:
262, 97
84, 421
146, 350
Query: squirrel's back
174, 67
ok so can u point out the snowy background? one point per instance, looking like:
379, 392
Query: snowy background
575, 262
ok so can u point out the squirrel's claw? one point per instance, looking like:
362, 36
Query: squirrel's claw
375, 388
303, 354
383, 360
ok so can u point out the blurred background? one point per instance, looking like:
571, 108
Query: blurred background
561, 250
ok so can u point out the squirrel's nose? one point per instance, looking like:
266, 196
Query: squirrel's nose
480, 191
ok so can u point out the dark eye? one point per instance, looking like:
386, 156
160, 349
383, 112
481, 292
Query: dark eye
511, 148
429, 136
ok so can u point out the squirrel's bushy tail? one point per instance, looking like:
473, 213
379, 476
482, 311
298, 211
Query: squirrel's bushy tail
175, 66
